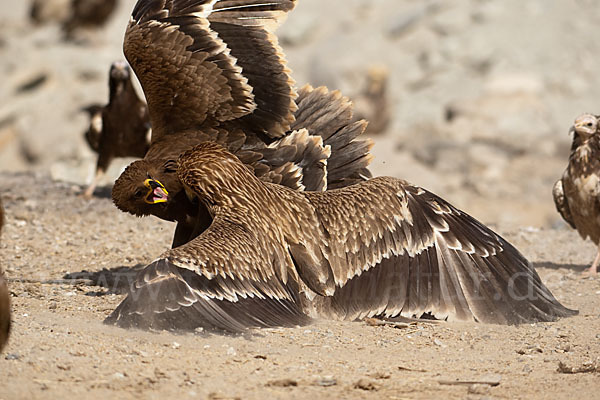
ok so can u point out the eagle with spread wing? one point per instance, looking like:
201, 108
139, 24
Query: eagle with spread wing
273, 256
577, 193
212, 71
250, 249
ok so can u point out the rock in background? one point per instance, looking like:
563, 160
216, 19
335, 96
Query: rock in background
481, 93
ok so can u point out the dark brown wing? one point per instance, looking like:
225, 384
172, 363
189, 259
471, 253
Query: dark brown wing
329, 115
222, 279
204, 62
247, 27
188, 75
236, 274
398, 249
296, 156
323, 151
561, 202
94, 132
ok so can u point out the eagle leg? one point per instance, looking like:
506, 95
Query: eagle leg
89, 192
593, 270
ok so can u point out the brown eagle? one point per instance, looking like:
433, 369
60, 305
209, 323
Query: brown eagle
275, 256
122, 127
212, 71
4, 299
577, 193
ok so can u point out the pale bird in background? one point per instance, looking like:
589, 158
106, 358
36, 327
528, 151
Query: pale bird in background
577, 193
372, 104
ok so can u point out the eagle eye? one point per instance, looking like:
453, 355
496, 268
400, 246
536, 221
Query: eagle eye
170, 166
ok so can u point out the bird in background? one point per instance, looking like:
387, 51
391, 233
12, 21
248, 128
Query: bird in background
577, 193
86, 14
120, 128
213, 71
372, 103
72, 15
49, 11
274, 256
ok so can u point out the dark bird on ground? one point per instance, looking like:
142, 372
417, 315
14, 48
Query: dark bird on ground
577, 193
275, 256
212, 71
122, 127
88, 14
4, 299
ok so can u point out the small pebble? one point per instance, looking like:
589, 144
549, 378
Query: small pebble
286, 382
478, 389
367, 385
326, 381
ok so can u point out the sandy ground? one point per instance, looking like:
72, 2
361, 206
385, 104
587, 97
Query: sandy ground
512, 75
61, 349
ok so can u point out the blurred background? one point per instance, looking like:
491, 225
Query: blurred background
471, 99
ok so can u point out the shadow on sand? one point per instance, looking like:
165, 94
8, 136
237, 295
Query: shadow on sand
117, 280
578, 268
103, 192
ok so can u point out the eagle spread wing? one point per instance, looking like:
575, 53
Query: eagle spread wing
202, 63
222, 279
398, 249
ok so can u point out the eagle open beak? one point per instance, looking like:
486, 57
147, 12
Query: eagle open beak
157, 192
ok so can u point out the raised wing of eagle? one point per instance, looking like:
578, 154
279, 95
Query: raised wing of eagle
202, 63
